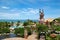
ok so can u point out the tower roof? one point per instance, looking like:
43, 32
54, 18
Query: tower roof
41, 11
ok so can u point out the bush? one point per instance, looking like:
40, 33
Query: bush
42, 28
0, 30
19, 31
29, 30
56, 27
4, 30
48, 37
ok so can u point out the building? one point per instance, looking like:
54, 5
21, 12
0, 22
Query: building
41, 19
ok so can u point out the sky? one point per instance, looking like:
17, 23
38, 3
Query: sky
28, 9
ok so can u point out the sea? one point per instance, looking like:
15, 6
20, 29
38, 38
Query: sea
17, 20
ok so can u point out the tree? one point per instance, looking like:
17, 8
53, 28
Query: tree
25, 23
58, 19
18, 23
56, 27
42, 27
19, 31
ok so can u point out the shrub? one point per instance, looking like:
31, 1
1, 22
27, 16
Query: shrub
0, 30
19, 31
4, 30
29, 30
42, 28
56, 27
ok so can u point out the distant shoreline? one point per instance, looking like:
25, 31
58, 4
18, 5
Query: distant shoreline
16, 20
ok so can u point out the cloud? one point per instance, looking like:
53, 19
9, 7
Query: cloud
19, 14
25, 10
9, 16
5, 7
33, 11
29, 13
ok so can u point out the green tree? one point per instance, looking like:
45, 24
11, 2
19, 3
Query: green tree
42, 27
58, 19
56, 27
19, 31
18, 23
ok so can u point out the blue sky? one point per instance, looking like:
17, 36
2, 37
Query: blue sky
29, 9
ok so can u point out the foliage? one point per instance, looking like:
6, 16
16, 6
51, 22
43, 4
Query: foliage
19, 31
58, 19
50, 38
18, 23
4, 30
29, 30
56, 27
28, 22
0, 30
42, 27
4, 24
25, 23
4, 27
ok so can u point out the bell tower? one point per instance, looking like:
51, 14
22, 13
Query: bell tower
41, 21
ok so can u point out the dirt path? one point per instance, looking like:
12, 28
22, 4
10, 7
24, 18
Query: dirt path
14, 38
31, 37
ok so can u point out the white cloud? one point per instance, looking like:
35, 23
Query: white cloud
9, 16
5, 7
27, 11
19, 14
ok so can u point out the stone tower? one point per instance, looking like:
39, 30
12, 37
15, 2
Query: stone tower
41, 19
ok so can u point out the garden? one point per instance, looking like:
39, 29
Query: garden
52, 35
